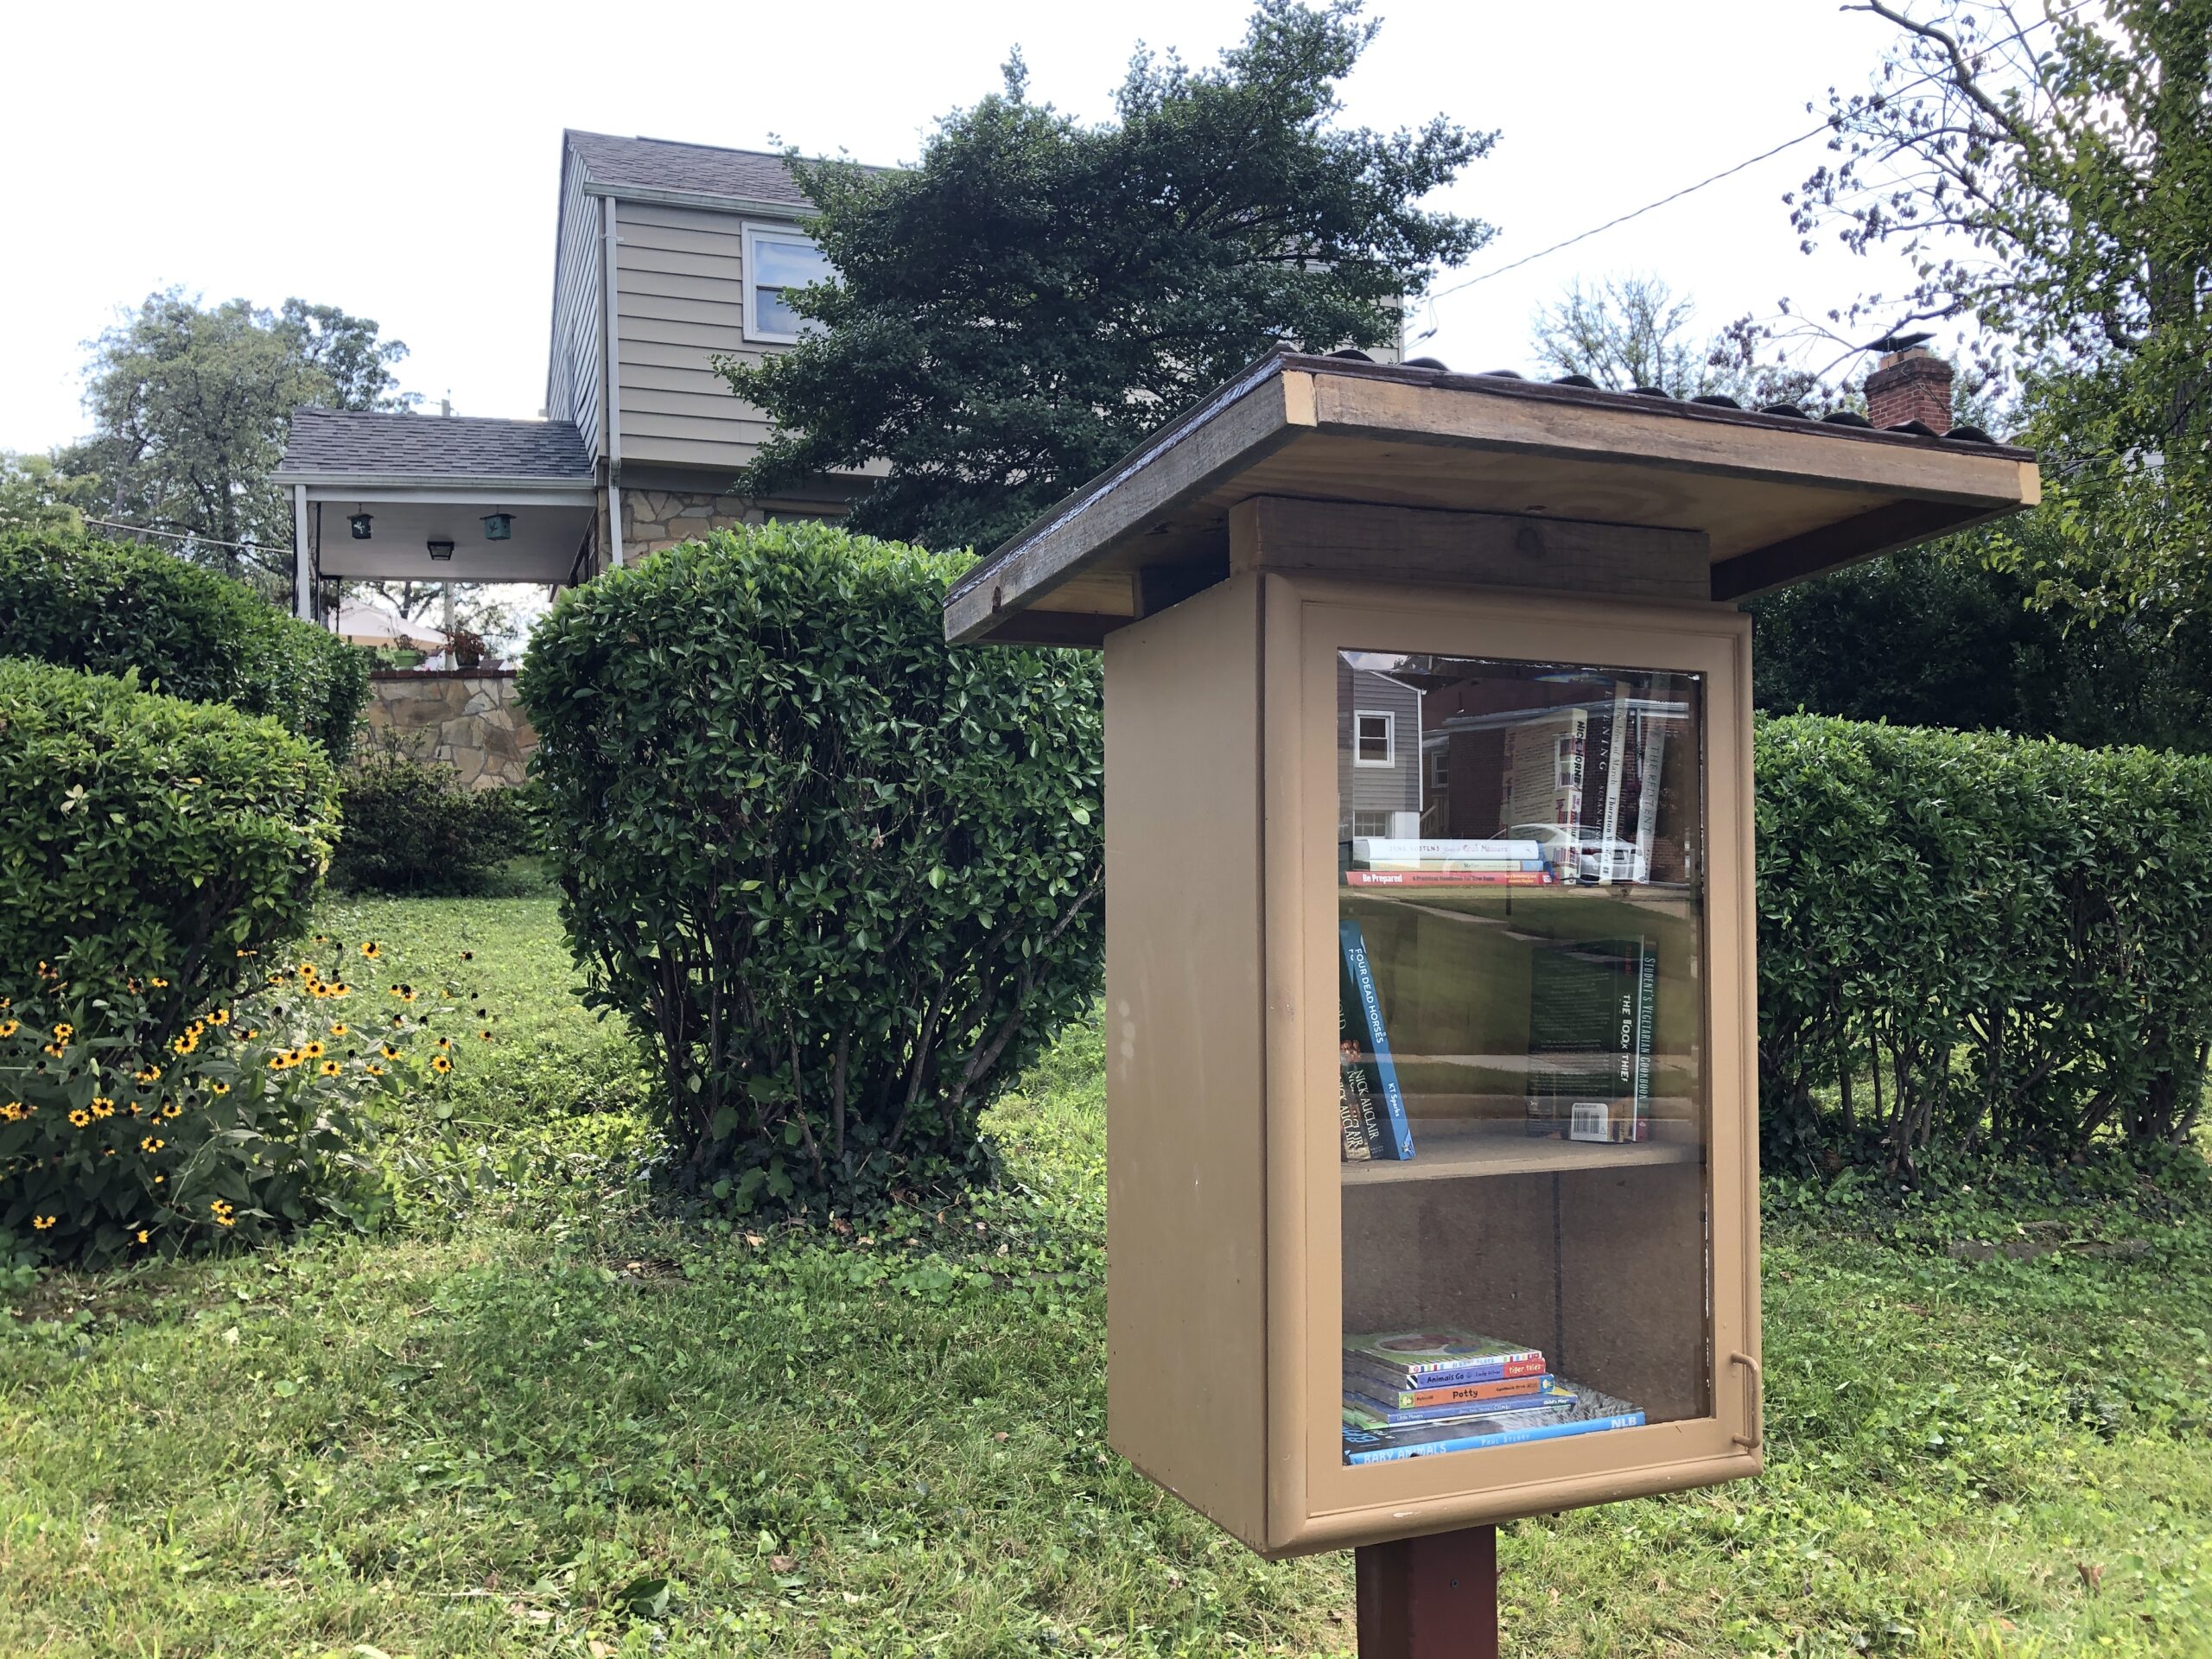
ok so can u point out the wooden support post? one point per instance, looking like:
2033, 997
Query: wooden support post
1432, 1598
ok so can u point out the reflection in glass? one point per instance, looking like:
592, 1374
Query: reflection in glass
1521, 1031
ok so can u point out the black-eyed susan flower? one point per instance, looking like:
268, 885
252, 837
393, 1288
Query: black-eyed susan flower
151, 1143
484, 1035
9, 1027
64, 1031
219, 1017
372, 949
314, 1048
160, 984
79, 1116
147, 1074
103, 1106
219, 1088
441, 1064
468, 956
373, 1069
143, 1235
444, 1042
338, 1028
42, 1222
330, 1068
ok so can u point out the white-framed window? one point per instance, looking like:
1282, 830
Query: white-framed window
778, 258
1374, 738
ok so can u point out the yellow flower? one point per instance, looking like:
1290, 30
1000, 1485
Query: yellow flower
80, 1117
57, 1050
221, 1017
160, 984
221, 1207
468, 956
152, 1143
372, 949
330, 1068
398, 1021
441, 1064
43, 1222
172, 1110
314, 1049
9, 1027
102, 1106
444, 1042
11, 1111
64, 1031
390, 1052
151, 1074
486, 1035
143, 1235
219, 1088
249, 1034
374, 1070
338, 1028
278, 1062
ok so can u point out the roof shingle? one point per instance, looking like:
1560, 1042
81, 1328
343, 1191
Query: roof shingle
695, 169
374, 444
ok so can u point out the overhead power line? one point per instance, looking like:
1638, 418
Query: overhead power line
1726, 172
187, 536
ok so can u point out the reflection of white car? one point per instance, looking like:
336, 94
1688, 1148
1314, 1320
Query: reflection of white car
1591, 856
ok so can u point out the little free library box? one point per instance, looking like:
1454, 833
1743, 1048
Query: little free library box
1430, 996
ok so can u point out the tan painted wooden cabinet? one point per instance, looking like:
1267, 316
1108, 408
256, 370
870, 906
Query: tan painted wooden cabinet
1430, 987
1559, 1017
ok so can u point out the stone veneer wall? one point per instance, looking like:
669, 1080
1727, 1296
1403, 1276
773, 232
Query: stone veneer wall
652, 519
467, 718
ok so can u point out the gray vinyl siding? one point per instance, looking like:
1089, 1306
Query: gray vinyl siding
679, 299
1395, 788
579, 312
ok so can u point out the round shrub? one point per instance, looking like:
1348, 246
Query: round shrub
842, 878
412, 827
145, 836
107, 606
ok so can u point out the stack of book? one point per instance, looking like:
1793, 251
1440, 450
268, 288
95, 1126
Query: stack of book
1412, 1393
1379, 861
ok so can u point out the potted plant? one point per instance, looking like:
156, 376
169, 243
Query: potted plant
466, 647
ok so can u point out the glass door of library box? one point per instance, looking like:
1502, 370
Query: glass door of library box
1538, 1082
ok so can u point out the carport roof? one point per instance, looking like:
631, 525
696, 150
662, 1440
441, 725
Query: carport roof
366, 446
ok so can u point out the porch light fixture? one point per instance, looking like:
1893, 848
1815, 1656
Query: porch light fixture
498, 526
440, 549
358, 523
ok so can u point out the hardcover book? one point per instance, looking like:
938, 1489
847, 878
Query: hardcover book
1437, 1350
1379, 1391
1591, 1414
1382, 1382
1388, 850
1550, 1395
1370, 1107
1590, 1006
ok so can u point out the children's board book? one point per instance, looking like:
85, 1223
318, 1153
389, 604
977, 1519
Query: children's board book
1592, 1413
1420, 1355
1373, 1414
1379, 1388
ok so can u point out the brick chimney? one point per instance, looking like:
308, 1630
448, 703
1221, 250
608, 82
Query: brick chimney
1913, 385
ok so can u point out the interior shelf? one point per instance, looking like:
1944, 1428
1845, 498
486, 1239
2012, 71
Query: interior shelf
1457, 1149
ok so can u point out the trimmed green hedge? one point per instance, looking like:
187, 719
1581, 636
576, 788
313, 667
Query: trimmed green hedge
148, 837
412, 826
1973, 941
843, 879
107, 606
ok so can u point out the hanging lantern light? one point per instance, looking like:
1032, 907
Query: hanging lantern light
440, 549
358, 523
498, 526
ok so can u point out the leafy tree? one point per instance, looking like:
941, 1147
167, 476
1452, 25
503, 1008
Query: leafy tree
36, 495
191, 405
2052, 179
1020, 308
1632, 332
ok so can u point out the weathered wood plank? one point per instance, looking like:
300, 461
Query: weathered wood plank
1416, 544
1835, 547
1241, 422
1465, 413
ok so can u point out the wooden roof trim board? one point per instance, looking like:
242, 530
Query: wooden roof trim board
1909, 486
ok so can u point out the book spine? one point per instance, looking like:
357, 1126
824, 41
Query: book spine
1447, 878
1647, 990
1504, 1437
1381, 1396
1398, 1142
1498, 1367
1407, 1416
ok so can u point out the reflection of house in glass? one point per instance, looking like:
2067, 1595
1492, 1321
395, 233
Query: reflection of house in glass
1379, 753
1504, 746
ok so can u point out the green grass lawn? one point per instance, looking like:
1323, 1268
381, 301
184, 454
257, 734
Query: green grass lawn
542, 1416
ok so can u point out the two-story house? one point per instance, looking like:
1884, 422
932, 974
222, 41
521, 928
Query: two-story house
666, 255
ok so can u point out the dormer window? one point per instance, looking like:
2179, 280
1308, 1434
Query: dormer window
777, 260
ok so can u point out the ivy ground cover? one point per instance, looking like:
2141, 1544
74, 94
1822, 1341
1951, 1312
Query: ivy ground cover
542, 1415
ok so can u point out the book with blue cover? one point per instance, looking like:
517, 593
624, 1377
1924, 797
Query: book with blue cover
1371, 1106
1367, 1412
1592, 1414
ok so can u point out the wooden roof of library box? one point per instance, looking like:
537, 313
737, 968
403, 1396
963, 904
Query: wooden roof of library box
1766, 498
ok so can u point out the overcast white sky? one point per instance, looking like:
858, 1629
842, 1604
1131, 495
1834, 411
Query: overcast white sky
402, 162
